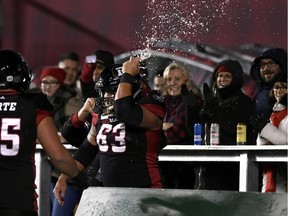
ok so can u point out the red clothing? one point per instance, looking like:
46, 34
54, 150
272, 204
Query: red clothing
270, 170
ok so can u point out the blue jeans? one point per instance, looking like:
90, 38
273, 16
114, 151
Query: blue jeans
71, 198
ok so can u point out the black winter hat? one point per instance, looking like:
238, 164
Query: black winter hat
104, 57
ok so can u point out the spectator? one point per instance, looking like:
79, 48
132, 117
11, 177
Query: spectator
268, 68
183, 103
275, 133
159, 81
93, 66
70, 63
52, 84
223, 108
138, 114
176, 126
27, 119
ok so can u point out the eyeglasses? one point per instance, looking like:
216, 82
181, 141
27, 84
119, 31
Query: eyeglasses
227, 76
52, 83
284, 88
268, 64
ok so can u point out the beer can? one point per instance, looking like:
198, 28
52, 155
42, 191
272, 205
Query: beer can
241, 134
197, 134
214, 134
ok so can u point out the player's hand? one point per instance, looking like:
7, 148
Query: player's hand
60, 189
132, 66
86, 109
167, 125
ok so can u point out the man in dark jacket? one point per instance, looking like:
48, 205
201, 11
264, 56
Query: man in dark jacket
268, 68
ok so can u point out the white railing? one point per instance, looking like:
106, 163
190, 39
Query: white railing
248, 156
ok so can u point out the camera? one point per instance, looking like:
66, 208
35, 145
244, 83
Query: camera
91, 59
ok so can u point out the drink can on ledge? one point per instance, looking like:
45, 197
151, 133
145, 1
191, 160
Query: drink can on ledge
241, 134
197, 134
214, 134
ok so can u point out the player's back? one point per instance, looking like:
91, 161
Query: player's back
18, 133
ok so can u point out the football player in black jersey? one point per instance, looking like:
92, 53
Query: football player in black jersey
25, 117
128, 147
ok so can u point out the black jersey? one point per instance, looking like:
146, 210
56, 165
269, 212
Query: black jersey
129, 155
19, 117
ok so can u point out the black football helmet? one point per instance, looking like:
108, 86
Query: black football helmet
106, 87
14, 71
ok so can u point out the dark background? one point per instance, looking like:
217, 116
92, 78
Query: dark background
42, 30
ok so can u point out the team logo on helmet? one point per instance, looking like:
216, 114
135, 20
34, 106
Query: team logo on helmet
14, 71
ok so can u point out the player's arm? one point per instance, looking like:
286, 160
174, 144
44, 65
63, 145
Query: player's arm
83, 156
125, 107
76, 128
60, 157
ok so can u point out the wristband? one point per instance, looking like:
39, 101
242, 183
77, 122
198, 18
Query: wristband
128, 78
76, 122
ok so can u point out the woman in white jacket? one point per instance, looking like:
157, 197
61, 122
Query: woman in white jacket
274, 132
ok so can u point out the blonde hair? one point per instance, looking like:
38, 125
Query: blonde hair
188, 81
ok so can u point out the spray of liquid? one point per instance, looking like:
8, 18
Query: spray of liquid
177, 20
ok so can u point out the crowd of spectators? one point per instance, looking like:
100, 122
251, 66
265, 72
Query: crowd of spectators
120, 124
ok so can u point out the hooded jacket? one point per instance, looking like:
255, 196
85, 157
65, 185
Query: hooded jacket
262, 102
232, 105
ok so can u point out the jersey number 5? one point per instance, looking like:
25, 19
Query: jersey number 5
7, 127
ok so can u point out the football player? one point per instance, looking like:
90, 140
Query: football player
24, 118
126, 131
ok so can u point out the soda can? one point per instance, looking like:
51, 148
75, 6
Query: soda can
241, 134
197, 134
214, 134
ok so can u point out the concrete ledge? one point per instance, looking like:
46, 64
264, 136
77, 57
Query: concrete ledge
98, 201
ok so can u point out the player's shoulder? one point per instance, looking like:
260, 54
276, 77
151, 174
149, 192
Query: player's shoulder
39, 100
154, 97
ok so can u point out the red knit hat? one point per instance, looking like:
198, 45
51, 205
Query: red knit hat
222, 68
58, 73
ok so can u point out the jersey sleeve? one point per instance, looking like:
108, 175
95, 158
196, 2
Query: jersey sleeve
43, 106
154, 103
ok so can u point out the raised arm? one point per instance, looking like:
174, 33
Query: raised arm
126, 108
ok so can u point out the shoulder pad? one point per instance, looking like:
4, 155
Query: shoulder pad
40, 101
153, 98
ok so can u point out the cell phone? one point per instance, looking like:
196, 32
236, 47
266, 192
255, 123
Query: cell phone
91, 59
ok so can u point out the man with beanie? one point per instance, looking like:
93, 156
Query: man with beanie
93, 66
